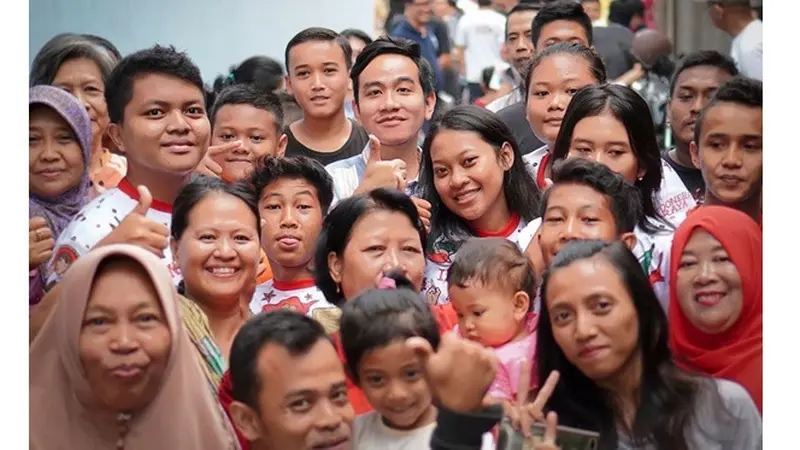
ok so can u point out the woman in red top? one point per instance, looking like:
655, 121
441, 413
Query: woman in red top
363, 238
715, 297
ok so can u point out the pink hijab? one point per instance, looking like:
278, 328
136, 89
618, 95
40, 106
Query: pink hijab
183, 416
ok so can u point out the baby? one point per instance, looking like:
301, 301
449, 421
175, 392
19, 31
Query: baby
492, 286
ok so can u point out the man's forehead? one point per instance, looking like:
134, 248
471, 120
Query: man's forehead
388, 68
280, 367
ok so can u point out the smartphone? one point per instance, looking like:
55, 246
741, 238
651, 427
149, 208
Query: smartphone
567, 438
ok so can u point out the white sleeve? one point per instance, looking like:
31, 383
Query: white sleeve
461, 33
751, 64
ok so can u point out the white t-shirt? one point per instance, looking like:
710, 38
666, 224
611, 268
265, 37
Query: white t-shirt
370, 433
482, 34
300, 296
96, 221
673, 200
747, 50
434, 284
653, 253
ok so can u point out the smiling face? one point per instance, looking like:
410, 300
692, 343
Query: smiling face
391, 102
258, 133
553, 84
708, 284
729, 153
594, 322
219, 251
381, 241
124, 342
55, 163
604, 139
82, 78
394, 384
694, 88
165, 130
468, 175
291, 218
318, 77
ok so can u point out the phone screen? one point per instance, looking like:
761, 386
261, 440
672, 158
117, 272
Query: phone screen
566, 438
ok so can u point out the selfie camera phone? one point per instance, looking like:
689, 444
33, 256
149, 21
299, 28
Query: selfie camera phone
567, 438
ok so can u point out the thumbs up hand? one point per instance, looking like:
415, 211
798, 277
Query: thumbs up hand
380, 173
137, 229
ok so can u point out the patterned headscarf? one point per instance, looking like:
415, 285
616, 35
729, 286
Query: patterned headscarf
59, 211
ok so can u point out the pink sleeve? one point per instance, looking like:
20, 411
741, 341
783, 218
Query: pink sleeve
502, 386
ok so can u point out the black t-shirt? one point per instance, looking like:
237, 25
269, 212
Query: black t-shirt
514, 117
692, 178
355, 144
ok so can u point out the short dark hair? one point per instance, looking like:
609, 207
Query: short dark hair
318, 34
288, 329
201, 187
568, 10
495, 262
378, 317
710, 58
68, 46
739, 90
154, 60
624, 199
358, 34
270, 168
622, 12
520, 8
263, 71
338, 227
596, 65
248, 94
393, 46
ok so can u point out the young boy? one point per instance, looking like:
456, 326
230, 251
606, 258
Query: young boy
589, 201
156, 105
318, 61
294, 196
727, 147
254, 118
697, 77
374, 329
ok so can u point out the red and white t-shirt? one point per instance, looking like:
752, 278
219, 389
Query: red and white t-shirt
673, 200
302, 296
99, 218
434, 284
536, 163
653, 253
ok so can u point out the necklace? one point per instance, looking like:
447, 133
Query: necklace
123, 424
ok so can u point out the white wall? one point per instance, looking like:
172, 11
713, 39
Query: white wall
215, 33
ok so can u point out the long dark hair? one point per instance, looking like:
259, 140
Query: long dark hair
630, 109
337, 229
521, 192
668, 395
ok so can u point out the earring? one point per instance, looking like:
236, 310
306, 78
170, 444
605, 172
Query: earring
337, 288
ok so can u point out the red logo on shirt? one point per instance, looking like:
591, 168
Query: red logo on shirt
291, 303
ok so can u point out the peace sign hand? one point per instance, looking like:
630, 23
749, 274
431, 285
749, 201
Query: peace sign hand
525, 414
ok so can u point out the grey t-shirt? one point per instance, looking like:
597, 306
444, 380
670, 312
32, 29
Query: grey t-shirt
713, 429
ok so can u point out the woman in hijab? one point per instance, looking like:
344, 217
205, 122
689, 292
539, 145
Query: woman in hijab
715, 297
113, 365
60, 139
80, 64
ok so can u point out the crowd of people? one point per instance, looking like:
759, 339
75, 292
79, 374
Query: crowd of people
498, 214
